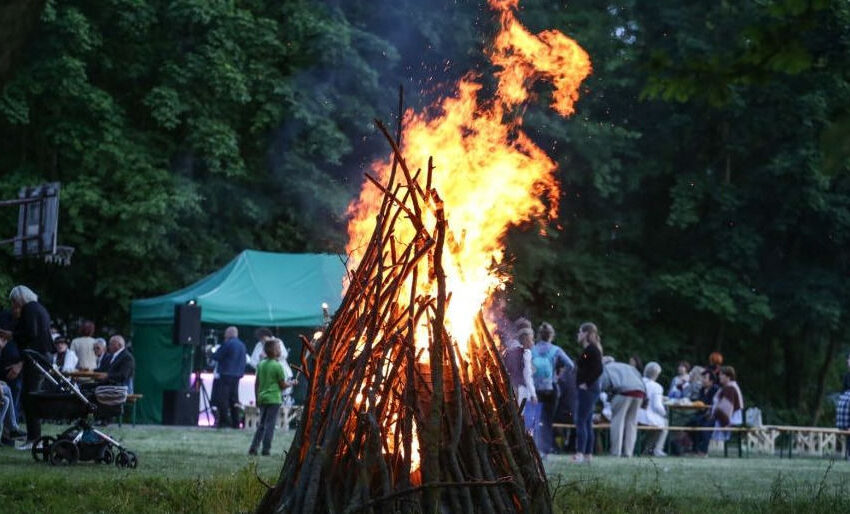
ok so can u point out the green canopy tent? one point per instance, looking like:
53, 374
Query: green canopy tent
254, 289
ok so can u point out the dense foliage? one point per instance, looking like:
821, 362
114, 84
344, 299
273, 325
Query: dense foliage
705, 202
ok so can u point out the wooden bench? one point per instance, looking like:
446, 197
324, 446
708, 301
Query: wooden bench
767, 439
741, 431
810, 440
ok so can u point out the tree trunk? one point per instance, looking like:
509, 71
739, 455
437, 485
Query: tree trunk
831, 349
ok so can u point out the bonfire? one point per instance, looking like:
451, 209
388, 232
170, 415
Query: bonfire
409, 408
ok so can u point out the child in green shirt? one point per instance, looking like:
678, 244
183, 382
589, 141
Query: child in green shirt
271, 380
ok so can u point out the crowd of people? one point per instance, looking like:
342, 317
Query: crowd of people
556, 391
272, 386
26, 325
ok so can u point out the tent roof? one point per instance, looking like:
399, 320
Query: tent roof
257, 288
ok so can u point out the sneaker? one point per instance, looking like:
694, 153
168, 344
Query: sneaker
659, 453
265, 452
27, 446
252, 452
578, 458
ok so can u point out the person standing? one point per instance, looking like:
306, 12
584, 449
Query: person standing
588, 371
625, 386
517, 359
231, 359
845, 386
261, 335
271, 380
32, 332
654, 415
546, 358
83, 347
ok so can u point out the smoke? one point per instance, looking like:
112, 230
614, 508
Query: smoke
327, 139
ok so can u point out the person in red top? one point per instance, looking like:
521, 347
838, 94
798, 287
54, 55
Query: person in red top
715, 361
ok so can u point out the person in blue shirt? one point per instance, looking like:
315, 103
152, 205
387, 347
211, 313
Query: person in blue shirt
547, 359
231, 359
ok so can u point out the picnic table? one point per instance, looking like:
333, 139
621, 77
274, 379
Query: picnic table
679, 413
87, 376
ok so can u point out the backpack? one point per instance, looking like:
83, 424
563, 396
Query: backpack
544, 365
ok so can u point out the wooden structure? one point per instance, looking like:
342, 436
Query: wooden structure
400, 416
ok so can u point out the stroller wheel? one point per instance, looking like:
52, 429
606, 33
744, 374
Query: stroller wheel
122, 460
108, 457
41, 448
133, 461
63, 453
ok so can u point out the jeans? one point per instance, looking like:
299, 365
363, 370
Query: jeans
225, 396
543, 436
584, 418
265, 427
531, 416
8, 414
702, 438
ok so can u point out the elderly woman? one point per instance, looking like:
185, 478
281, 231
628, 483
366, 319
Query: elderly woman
654, 415
693, 391
32, 332
65, 359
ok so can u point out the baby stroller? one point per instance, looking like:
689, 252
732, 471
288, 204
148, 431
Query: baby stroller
81, 441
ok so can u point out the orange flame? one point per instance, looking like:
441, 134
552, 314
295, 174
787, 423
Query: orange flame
488, 171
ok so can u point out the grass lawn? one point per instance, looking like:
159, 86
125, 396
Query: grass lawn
205, 470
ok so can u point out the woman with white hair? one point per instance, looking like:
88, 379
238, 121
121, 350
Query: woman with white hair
32, 332
654, 415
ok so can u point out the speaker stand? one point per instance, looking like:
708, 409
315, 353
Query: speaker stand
198, 385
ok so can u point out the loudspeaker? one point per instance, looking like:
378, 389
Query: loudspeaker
180, 407
187, 324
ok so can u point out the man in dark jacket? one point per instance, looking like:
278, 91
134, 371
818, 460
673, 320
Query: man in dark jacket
32, 332
231, 367
122, 366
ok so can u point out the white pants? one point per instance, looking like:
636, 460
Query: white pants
624, 410
656, 442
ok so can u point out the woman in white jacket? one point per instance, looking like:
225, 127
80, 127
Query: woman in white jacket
654, 414
65, 359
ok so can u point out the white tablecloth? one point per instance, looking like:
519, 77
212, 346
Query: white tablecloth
246, 395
